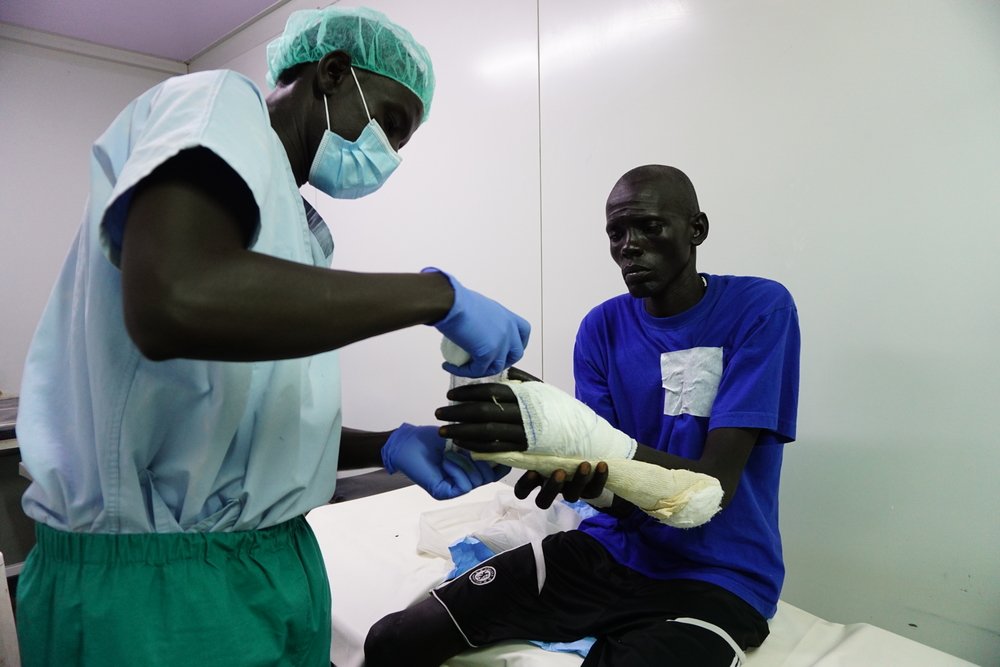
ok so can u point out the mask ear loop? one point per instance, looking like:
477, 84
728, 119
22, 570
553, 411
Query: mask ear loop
356, 83
326, 101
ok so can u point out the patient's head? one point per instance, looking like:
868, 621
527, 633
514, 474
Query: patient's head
654, 226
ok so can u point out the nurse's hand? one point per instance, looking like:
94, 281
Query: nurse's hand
419, 453
493, 336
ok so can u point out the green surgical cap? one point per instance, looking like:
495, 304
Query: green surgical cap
373, 41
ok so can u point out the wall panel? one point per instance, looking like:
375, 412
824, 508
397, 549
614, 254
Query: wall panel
53, 106
851, 151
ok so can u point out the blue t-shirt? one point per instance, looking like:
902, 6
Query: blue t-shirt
732, 360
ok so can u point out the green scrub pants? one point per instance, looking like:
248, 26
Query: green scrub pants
178, 599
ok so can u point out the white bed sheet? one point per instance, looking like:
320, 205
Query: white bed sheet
370, 549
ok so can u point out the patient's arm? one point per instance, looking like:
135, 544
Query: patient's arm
728, 447
725, 454
488, 419
558, 432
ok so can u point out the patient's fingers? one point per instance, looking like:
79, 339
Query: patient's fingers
574, 487
595, 485
527, 483
515, 373
585, 481
550, 490
487, 433
480, 411
486, 391
490, 447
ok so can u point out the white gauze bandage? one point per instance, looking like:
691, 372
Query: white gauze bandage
452, 353
555, 423
680, 498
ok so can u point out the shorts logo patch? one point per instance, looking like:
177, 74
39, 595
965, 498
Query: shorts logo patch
483, 576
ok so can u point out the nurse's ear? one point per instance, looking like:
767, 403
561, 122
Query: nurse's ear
331, 70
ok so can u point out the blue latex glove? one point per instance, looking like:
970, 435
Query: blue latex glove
492, 335
419, 453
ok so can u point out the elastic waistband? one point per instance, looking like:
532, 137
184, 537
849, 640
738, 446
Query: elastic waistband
107, 548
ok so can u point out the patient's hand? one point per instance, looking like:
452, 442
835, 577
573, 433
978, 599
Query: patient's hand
487, 419
515, 373
487, 416
511, 417
585, 483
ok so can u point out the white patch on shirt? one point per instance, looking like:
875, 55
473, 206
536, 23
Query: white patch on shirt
690, 380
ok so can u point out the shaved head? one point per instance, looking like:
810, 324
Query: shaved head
654, 228
669, 183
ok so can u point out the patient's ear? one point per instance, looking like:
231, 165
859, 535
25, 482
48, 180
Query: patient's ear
515, 373
699, 229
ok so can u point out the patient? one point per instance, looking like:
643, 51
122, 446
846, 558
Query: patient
690, 371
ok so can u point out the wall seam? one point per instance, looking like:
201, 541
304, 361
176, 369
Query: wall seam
541, 217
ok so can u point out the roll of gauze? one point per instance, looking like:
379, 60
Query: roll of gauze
679, 498
555, 423
452, 353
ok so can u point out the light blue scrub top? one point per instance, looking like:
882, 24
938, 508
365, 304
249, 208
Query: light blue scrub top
116, 443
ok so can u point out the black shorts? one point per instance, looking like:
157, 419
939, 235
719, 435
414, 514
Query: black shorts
577, 590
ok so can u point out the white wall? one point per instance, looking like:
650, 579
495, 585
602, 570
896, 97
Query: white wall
852, 151
53, 105
848, 149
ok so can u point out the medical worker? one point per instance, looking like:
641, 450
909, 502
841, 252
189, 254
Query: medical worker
180, 409
686, 371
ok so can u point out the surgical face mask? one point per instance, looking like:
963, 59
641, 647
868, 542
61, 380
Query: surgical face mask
352, 169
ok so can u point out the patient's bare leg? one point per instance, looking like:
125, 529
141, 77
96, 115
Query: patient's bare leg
421, 636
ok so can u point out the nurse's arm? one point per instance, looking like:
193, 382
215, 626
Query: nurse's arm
192, 289
361, 449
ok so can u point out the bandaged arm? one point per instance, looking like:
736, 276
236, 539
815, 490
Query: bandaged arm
561, 432
680, 498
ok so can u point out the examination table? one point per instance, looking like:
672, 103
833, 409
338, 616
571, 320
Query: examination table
370, 545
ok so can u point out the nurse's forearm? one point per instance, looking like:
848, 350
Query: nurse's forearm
361, 449
254, 307
192, 289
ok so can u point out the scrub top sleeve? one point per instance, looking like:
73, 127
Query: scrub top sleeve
219, 110
760, 379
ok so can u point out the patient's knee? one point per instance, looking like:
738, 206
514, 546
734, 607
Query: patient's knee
421, 636
383, 644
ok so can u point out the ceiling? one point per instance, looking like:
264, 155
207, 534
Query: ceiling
173, 29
